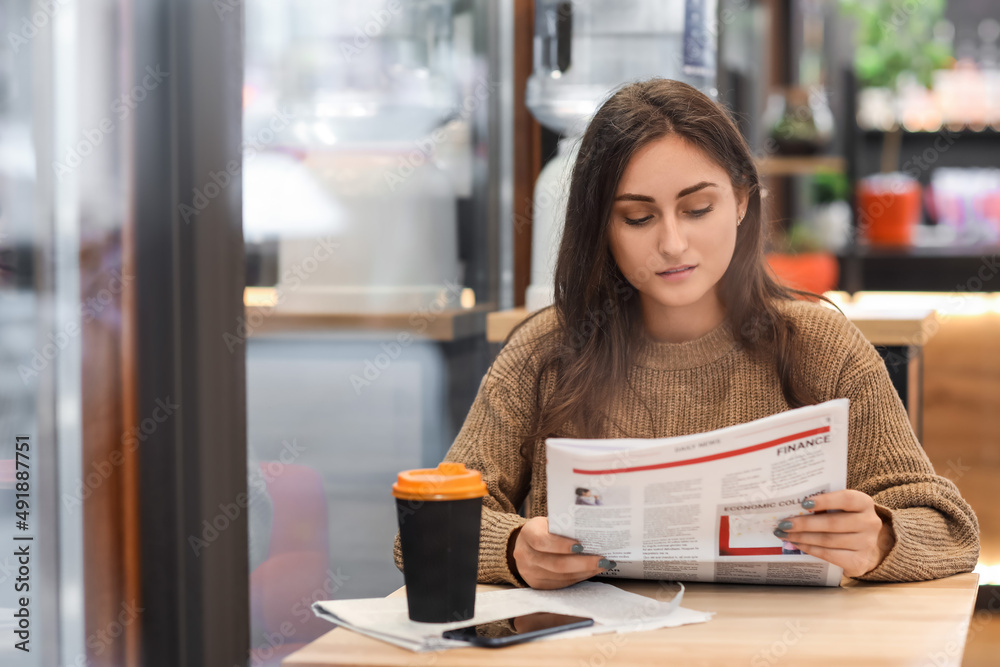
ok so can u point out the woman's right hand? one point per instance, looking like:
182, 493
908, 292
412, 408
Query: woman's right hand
548, 561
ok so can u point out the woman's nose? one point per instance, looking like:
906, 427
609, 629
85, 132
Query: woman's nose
671, 241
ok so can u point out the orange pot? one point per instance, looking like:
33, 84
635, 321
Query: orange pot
887, 214
815, 272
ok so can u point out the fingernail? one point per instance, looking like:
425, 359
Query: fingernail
780, 533
606, 564
808, 503
577, 548
785, 525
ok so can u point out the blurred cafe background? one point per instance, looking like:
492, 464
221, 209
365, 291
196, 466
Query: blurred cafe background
255, 258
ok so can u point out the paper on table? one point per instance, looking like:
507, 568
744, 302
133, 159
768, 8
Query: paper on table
613, 610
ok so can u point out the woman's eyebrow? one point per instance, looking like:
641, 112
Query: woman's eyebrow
694, 188
628, 196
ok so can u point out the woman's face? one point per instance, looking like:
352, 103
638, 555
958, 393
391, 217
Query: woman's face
673, 226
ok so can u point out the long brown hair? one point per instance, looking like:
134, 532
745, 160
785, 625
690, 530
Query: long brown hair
598, 312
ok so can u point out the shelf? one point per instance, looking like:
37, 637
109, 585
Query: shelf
909, 269
913, 326
263, 319
987, 133
501, 322
800, 165
881, 252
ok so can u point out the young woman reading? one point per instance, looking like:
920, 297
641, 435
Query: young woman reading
666, 322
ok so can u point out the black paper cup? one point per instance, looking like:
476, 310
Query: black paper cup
439, 510
440, 543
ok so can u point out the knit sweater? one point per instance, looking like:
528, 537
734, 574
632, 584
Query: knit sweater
711, 383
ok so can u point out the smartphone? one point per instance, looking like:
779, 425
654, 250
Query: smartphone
518, 629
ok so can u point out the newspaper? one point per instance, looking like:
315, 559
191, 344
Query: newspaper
702, 507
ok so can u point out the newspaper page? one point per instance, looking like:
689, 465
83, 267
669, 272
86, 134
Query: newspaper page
702, 507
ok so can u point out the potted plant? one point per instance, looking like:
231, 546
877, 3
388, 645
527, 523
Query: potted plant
896, 37
803, 259
808, 268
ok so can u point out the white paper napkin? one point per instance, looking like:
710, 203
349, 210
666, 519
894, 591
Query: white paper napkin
613, 610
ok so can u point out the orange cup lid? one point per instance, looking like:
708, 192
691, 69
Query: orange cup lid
449, 481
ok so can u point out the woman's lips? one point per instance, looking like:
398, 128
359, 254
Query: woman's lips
677, 274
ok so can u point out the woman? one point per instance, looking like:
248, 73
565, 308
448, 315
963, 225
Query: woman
665, 323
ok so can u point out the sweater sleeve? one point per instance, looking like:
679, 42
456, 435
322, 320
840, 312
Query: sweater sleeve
936, 531
490, 441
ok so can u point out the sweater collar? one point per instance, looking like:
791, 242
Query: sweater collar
702, 351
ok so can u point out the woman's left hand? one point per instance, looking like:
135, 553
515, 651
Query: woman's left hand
855, 538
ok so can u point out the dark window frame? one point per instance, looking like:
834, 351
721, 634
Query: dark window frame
190, 277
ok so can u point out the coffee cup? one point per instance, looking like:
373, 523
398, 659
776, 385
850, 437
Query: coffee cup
439, 511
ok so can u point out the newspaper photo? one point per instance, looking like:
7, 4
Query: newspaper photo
702, 507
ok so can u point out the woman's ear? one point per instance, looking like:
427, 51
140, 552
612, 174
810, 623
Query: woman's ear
742, 201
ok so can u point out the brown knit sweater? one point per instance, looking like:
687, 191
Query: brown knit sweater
710, 383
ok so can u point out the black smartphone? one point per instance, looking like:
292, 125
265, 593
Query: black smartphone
518, 629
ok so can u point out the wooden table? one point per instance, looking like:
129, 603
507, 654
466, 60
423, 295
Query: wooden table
865, 624
873, 625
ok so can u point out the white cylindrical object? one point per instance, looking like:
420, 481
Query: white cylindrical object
548, 219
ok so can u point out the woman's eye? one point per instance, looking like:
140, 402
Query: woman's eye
638, 221
701, 211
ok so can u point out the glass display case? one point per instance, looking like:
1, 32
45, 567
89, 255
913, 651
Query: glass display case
372, 175
369, 152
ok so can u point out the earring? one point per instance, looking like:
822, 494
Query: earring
739, 221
